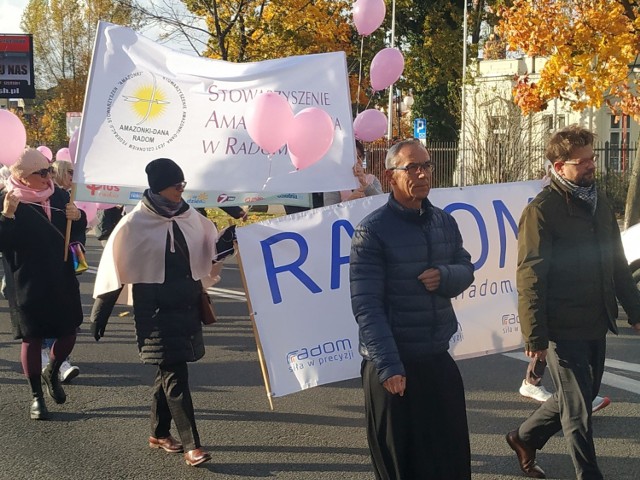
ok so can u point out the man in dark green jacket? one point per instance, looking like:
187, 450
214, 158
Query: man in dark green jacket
571, 267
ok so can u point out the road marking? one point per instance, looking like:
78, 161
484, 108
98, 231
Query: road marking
225, 293
610, 379
630, 367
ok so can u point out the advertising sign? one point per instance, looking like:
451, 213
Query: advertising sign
16, 66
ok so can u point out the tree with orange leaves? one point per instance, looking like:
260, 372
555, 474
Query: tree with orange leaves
590, 46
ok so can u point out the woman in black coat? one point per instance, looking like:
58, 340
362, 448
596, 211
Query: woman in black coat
42, 289
164, 249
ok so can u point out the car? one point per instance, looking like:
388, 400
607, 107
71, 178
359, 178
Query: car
631, 244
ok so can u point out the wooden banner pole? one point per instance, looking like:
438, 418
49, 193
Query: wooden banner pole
67, 234
263, 365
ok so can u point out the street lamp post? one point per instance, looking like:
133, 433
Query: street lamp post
400, 112
393, 43
463, 115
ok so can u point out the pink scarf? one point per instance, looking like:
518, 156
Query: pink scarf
30, 195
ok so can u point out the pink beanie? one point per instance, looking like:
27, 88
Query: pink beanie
29, 162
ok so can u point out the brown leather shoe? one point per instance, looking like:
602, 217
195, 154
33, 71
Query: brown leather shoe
168, 444
193, 458
526, 456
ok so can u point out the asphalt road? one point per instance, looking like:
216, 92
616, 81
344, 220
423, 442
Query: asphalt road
101, 432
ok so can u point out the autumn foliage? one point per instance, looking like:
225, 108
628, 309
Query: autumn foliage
590, 48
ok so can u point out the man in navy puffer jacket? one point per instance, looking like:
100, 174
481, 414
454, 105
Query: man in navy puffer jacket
407, 262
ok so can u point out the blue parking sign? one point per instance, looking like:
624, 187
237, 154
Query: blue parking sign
420, 128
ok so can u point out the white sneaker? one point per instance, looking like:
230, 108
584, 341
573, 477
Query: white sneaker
68, 371
44, 356
537, 392
599, 403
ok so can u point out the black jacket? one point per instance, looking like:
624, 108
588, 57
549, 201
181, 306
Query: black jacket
42, 290
571, 268
398, 319
167, 315
107, 221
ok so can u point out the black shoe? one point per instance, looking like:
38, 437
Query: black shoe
38, 409
52, 381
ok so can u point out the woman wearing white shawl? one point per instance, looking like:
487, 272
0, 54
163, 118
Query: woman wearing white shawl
165, 250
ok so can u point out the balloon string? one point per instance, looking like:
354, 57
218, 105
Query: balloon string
44, 207
269, 174
369, 102
360, 76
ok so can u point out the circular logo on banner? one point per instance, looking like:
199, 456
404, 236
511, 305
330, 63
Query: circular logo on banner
146, 112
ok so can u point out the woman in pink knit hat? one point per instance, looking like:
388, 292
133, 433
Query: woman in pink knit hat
42, 289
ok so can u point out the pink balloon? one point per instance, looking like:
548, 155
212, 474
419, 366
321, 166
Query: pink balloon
89, 208
298, 162
368, 15
73, 145
370, 125
268, 119
46, 151
310, 137
13, 138
63, 154
386, 68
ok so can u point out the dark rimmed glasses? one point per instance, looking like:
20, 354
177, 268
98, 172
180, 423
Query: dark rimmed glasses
413, 168
43, 172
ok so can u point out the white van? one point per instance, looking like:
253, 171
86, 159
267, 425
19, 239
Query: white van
631, 244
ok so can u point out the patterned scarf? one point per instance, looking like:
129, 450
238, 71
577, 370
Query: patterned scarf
163, 206
586, 194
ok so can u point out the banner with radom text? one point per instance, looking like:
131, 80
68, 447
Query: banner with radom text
297, 275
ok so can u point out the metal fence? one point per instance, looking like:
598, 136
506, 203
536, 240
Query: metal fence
503, 164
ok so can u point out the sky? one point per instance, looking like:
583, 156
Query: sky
10, 15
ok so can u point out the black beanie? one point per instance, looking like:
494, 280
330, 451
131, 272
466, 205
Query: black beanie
163, 173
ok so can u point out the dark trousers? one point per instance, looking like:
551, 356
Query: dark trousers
172, 399
423, 434
576, 367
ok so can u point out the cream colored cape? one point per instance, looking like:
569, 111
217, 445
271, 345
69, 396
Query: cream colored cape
136, 248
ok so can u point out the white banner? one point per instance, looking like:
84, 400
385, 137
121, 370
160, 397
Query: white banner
297, 275
146, 101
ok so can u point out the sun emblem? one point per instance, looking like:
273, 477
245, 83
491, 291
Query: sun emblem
148, 101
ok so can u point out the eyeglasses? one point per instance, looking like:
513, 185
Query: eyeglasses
44, 172
413, 168
582, 161
180, 185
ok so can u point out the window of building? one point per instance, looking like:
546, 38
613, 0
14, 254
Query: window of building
619, 142
619, 121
